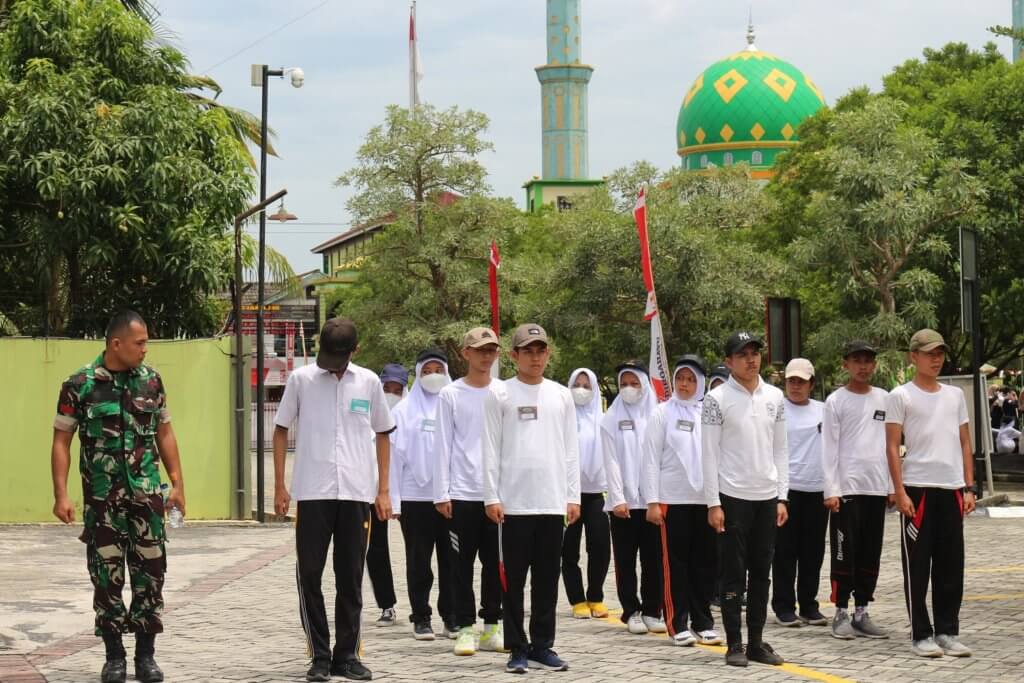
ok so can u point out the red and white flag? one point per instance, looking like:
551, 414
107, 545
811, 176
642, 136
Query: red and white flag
415, 66
493, 263
659, 356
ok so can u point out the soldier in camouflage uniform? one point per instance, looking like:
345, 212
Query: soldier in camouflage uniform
118, 406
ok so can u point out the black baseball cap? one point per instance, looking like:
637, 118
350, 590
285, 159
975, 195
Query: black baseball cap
338, 339
692, 360
433, 353
741, 339
719, 371
858, 346
632, 364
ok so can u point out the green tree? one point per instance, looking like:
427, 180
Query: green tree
877, 193
115, 189
424, 281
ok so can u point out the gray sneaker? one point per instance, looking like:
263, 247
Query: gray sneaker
865, 627
952, 646
841, 626
926, 648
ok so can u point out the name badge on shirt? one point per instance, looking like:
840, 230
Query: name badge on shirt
880, 415
527, 413
427, 425
625, 425
684, 425
359, 405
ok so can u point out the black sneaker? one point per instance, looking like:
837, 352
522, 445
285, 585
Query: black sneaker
735, 656
815, 618
517, 663
114, 671
549, 659
764, 654
147, 671
387, 617
320, 671
788, 619
352, 669
716, 603
422, 630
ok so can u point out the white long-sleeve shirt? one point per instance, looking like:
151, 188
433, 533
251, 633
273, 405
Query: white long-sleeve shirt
743, 441
853, 444
803, 440
530, 449
671, 471
458, 461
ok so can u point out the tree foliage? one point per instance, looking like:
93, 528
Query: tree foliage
117, 190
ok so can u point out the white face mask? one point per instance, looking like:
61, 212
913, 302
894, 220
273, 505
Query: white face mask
631, 395
392, 400
433, 383
582, 396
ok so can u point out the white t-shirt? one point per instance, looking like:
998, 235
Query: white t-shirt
931, 430
743, 443
459, 470
853, 444
671, 472
335, 459
530, 449
803, 434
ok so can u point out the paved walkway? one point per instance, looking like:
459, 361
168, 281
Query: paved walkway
232, 616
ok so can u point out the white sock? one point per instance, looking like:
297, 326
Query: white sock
859, 611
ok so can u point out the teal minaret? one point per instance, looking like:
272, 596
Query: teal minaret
563, 91
1018, 24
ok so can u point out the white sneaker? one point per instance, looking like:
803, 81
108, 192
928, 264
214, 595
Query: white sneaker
493, 638
952, 646
636, 624
465, 644
684, 638
709, 637
654, 624
926, 648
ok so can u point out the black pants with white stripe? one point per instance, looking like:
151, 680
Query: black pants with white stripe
745, 560
530, 543
426, 530
631, 537
378, 564
347, 522
473, 535
799, 554
594, 521
933, 547
689, 548
855, 535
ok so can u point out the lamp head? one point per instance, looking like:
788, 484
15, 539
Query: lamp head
298, 77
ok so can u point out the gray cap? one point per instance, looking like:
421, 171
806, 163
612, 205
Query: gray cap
527, 334
927, 340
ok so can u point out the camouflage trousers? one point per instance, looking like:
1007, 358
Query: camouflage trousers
123, 530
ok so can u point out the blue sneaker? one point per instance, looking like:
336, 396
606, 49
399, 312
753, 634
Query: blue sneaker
549, 659
517, 663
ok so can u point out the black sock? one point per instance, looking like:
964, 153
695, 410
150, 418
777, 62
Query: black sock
114, 646
145, 645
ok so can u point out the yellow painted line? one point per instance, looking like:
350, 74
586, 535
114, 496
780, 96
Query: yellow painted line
996, 570
995, 596
804, 671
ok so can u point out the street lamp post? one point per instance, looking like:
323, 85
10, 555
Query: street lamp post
260, 76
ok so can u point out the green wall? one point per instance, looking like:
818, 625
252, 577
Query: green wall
197, 375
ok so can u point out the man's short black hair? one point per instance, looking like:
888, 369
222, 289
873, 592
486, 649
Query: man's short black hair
121, 322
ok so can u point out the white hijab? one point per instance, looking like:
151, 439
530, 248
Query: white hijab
686, 444
588, 426
629, 442
415, 424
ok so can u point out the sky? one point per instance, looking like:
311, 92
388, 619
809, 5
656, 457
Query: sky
480, 54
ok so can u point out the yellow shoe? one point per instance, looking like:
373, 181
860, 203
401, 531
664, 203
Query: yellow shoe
598, 610
581, 610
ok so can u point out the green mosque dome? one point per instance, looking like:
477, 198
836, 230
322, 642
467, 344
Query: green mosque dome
746, 107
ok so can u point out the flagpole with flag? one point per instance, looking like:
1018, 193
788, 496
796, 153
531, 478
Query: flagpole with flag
415, 66
659, 370
493, 263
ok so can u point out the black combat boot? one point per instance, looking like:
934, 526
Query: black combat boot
146, 669
115, 669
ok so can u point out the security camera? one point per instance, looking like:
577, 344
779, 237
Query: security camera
298, 77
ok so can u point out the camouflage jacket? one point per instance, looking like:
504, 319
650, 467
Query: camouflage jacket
117, 415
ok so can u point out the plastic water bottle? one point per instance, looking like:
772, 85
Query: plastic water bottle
175, 519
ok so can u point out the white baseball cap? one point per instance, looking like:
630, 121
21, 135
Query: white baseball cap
800, 367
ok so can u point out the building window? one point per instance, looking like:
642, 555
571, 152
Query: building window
728, 159
687, 163
703, 160
756, 158
563, 203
